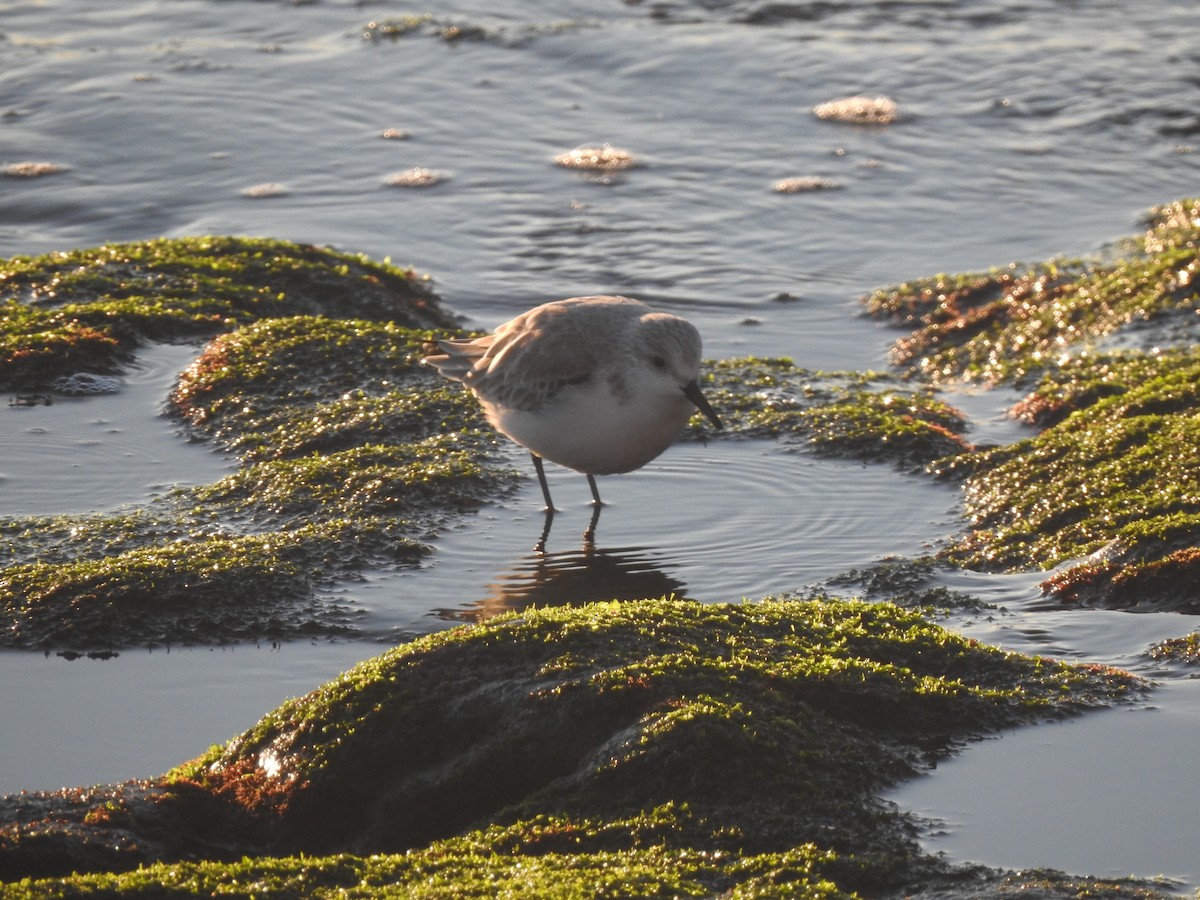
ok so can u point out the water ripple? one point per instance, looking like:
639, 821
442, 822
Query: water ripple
713, 523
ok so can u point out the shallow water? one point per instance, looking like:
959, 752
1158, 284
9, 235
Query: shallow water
1028, 128
99, 452
729, 520
1110, 793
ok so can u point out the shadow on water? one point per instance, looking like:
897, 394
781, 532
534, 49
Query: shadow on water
572, 577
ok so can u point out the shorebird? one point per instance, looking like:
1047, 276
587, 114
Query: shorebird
601, 385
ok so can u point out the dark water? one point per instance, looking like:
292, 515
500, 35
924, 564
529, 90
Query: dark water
1026, 129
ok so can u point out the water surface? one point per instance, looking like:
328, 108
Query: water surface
1027, 128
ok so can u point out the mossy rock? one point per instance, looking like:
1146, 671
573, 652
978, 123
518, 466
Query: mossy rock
1110, 483
869, 416
352, 453
1014, 322
1183, 649
86, 310
1114, 482
657, 747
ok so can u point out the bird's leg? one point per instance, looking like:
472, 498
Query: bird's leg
540, 546
541, 473
596, 501
589, 536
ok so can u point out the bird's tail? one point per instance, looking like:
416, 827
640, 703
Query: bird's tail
456, 359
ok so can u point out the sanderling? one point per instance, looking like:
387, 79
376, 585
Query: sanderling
600, 385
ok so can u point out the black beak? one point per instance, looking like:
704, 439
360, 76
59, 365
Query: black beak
691, 390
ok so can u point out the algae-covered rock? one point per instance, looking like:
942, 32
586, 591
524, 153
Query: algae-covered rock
870, 416
1109, 490
1007, 323
351, 452
88, 309
1115, 483
657, 748
1183, 649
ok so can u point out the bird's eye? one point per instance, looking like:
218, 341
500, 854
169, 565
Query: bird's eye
659, 362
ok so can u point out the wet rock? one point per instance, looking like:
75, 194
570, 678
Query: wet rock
857, 415
1017, 322
704, 748
352, 453
1107, 491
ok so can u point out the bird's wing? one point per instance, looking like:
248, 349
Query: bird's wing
534, 356
558, 344
531, 357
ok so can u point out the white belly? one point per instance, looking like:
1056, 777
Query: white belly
587, 428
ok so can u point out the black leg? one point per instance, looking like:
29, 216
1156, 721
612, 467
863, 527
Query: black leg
589, 536
595, 491
541, 473
540, 546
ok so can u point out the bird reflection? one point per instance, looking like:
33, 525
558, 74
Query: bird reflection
572, 578
589, 536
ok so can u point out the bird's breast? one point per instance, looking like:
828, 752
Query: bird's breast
593, 427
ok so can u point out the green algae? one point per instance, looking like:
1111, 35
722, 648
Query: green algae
351, 452
473, 869
651, 699
1183, 649
202, 589
499, 863
647, 748
1116, 479
285, 387
1009, 323
869, 416
363, 481
88, 309
1109, 489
